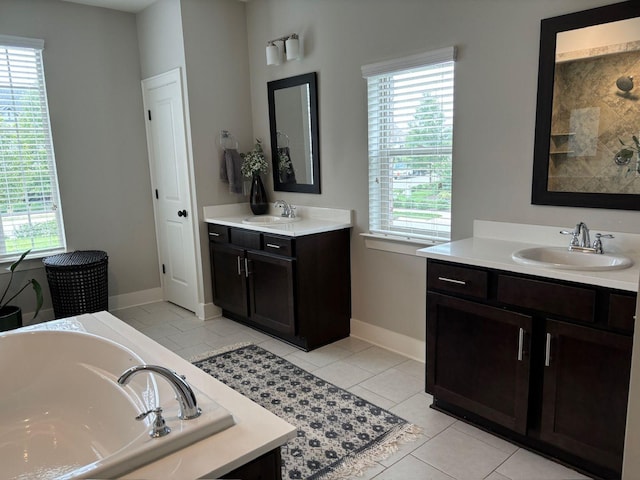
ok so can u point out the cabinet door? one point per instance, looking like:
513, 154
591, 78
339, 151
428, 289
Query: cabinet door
228, 278
585, 392
478, 359
271, 287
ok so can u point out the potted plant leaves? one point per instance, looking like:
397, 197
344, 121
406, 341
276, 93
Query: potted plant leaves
11, 315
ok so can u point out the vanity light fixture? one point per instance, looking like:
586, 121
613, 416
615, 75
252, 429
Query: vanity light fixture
290, 45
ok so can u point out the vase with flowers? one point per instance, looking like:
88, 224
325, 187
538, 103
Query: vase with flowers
254, 163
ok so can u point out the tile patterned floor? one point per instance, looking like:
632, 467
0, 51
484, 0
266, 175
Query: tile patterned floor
450, 449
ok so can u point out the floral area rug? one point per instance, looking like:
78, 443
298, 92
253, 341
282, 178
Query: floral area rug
339, 433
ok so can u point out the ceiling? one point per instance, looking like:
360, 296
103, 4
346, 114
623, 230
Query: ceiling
132, 6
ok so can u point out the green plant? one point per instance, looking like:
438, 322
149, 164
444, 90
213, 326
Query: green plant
254, 162
33, 282
624, 156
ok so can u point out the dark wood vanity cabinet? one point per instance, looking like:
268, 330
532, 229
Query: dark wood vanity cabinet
296, 288
543, 362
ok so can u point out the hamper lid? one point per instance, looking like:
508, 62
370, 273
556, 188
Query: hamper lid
77, 258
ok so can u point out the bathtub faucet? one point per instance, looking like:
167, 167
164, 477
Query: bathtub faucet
184, 394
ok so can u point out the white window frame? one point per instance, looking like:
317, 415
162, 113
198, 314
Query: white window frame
38, 204
384, 147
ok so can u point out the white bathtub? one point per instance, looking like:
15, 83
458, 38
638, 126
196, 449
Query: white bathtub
63, 415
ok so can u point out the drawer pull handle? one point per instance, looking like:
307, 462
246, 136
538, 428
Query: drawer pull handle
520, 343
452, 280
246, 268
272, 245
547, 351
214, 234
239, 267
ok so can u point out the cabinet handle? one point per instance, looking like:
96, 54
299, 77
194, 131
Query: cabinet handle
246, 267
547, 352
452, 280
520, 343
214, 234
239, 267
272, 245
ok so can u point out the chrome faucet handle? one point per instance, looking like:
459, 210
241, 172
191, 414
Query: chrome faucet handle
292, 211
597, 244
160, 428
574, 236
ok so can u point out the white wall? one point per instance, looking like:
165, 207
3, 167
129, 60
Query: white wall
496, 87
217, 72
92, 72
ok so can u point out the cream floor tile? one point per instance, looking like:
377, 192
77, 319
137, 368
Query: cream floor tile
371, 397
460, 455
413, 368
496, 476
525, 465
393, 384
375, 359
309, 367
343, 374
194, 350
159, 331
404, 449
352, 344
412, 468
416, 409
279, 348
223, 326
186, 324
486, 437
196, 336
323, 355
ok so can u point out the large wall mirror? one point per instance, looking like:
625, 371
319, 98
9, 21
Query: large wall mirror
588, 111
293, 120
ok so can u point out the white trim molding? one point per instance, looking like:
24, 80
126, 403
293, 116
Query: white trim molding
396, 342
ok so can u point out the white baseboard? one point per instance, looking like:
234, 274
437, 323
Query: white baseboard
133, 299
207, 311
396, 342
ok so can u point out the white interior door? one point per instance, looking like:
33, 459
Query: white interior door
168, 160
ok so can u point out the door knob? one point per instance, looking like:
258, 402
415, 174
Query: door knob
182, 213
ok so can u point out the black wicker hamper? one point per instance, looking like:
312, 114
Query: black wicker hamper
78, 282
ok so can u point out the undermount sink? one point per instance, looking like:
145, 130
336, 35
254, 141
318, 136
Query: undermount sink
268, 220
563, 258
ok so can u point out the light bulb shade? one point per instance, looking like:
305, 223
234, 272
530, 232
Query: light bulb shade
293, 47
273, 55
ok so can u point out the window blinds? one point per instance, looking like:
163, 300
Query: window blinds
29, 200
410, 112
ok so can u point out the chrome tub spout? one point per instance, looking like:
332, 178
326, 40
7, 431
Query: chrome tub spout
184, 394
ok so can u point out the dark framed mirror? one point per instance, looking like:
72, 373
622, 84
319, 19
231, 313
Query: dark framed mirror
588, 109
293, 122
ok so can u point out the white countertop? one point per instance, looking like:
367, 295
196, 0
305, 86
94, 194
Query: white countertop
311, 219
494, 242
256, 430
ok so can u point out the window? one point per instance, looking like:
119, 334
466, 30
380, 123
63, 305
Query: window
410, 142
30, 216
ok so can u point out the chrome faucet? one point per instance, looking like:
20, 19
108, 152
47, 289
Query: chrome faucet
287, 210
184, 394
585, 239
581, 239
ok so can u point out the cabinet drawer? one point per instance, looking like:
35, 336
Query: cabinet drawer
622, 309
277, 244
571, 302
457, 279
218, 233
245, 238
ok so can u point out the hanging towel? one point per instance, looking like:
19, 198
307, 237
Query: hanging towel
232, 162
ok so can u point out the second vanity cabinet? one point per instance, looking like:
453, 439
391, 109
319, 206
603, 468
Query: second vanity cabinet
296, 288
541, 361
